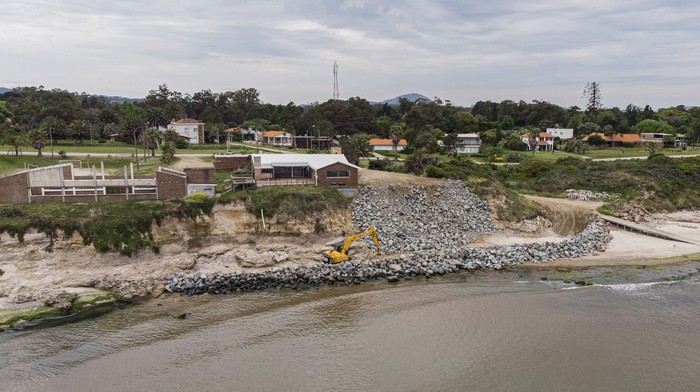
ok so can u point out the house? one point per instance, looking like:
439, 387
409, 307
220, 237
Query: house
277, 138
387, 145
294, 169
244, 134
561, 133
64, 183
617, 138
190, 129
313, 142
545, 141
304, 169
468, 143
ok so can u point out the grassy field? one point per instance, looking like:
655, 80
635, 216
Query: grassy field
621, 152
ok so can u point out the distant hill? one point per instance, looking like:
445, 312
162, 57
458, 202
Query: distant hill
4, 90
110, 98
412, 97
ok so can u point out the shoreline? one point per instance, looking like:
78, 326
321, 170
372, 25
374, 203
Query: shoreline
29, 273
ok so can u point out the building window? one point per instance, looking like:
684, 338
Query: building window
298, 172
337, 173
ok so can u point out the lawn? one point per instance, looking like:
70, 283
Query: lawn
622, 152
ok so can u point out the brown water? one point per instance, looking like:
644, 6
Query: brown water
461, 333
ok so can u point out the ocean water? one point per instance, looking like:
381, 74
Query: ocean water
491, 332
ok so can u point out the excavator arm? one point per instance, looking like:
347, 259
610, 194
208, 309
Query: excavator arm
340, 253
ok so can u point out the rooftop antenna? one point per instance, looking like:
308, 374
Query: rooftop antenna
336, 96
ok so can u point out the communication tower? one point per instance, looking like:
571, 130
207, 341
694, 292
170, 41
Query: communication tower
336, 96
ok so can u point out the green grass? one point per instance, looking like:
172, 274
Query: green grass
294, 201
622, 152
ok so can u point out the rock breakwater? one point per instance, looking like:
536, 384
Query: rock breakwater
419, 218
392, 268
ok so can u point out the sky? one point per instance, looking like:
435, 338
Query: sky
643, 52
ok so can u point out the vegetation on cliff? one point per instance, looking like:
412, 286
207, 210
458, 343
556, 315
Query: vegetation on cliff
293, 201
118, 226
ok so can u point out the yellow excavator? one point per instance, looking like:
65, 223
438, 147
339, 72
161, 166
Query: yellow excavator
341, 250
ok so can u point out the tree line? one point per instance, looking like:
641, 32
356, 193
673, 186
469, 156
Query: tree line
34, 115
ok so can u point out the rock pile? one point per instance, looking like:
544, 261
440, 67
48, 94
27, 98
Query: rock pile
418, 218
391, 268
631, 212
582, 194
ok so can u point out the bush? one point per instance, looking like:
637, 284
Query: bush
513, 157
181, 143
627, 145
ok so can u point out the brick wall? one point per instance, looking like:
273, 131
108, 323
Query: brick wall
13, 189
170, 185
348, 182
200, 175
231, 162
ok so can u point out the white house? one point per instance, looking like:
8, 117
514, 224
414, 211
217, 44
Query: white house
545, 141
386, 144
190, 129
561, 133
468, 143
278, 138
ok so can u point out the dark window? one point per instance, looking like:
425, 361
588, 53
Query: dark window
337, 173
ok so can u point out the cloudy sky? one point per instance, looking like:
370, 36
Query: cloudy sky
640, 51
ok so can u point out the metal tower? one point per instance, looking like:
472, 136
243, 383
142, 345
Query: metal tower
336, 96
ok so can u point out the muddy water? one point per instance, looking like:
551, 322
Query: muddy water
462, 333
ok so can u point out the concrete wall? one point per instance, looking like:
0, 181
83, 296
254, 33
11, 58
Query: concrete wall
13, 189
339, 182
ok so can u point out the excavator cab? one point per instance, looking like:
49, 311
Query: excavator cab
341, 251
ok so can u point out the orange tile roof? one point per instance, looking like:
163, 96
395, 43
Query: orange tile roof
585, 139
188, 121
627, 138
545, 134
542, 143
386, 142
273, 133
231, 130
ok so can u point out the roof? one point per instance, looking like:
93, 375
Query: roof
232, 130
618, 137
545, 134
273, 133
386, 142
188, 121
467, 135
542, 143
627, 138
314, 161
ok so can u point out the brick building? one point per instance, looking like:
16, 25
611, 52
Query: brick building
60, 183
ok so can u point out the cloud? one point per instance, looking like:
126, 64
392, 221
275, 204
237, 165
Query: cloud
459, 50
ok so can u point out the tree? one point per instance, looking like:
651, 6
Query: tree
131, 118
37, 137
155, 117
79, 130
50, 124
451, 142
354, 147
167, 155
609, 131
592, 94
596, 140
5, 112
153, 136
15, 139
587, 128
395, 133
654, 126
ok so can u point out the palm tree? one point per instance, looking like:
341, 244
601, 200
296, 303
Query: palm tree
37, 137
155, 117
170, 135
153, 136
15, 139
79, 130
50, 123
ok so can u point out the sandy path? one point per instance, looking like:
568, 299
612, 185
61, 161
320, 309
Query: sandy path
378, 177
